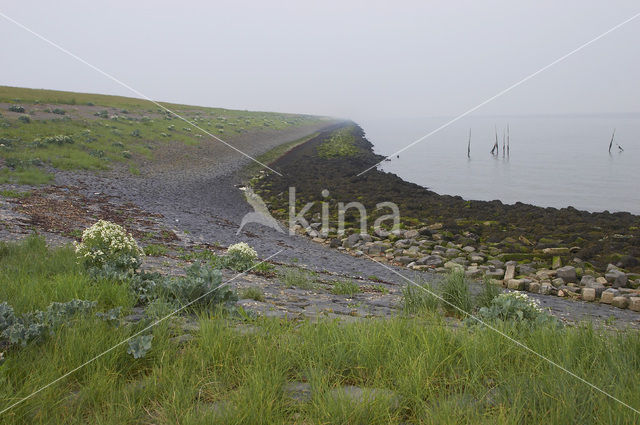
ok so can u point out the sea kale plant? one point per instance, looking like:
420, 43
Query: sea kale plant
516, 308
106, 245
36, 325
240, 256
139, 346
201, 286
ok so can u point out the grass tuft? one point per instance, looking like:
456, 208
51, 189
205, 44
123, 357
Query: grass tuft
252, 293
455, 293
298, 278
345, 287
419, 299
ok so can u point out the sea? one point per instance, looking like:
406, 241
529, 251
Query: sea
552, 160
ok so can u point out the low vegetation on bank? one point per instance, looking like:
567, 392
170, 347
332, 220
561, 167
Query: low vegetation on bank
213, 362
40, 129
341, 143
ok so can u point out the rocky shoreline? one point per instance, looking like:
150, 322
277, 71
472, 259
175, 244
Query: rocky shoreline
566, 253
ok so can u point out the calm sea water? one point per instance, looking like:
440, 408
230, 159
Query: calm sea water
556, 160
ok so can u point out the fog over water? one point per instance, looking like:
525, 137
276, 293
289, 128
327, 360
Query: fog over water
554, 160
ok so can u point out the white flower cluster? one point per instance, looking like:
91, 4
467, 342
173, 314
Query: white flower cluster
522, 297
107, 242
242, 250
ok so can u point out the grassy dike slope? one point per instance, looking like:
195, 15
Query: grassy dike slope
416, 368
41, 130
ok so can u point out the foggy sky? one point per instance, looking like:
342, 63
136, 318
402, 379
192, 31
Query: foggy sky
338, 58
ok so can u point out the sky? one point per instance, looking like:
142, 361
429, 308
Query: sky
348, 59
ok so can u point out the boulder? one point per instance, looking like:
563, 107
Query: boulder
496, 263
588, 281
534, 287
374, 249
591, 283
556, 251
588, 294
516, 284
477, 258
351, 241
608, 295
545, 274
425, 231
461, 260
545, 288
557, 282
526, 269
616, 278
510, 272
620, 302
431, 260
497, 274
452, 252
634, 303
556, 263
380, 232
453, 266
410, 234
567, 274
469, 249
334, 243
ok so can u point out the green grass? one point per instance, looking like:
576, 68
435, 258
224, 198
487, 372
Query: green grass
264, 269
418, 300
203, 255
252, 293
129, 130
345, 287
455, 293
33, 276
14, 194
340, 144
25, 175
437, 374
488, 293
440, 376
298, 278
156, 250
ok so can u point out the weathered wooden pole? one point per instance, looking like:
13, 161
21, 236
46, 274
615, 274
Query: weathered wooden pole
494, 150
612, 137
469, 145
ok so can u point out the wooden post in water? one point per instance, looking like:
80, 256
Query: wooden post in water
612, 137
469, 145
508, 140
503, 144
494, 150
